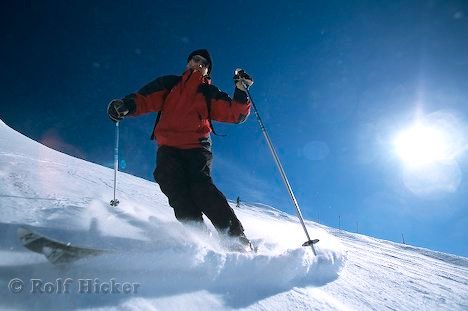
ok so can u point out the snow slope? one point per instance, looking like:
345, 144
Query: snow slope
168, 266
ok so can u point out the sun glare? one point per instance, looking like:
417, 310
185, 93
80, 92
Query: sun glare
429, 150
422, 145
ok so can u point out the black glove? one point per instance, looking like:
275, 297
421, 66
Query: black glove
242, 78
117, 110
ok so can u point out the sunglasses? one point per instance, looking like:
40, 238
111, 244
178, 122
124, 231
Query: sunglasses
198, 59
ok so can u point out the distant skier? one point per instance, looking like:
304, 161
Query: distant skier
238, 202
186, 105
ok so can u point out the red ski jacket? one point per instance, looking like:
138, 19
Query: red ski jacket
185, 104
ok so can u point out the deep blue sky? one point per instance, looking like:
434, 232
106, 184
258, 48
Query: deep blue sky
335, 81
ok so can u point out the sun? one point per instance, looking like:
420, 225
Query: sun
429, 149
422, 145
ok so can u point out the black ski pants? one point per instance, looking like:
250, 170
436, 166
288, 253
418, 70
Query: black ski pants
184, 176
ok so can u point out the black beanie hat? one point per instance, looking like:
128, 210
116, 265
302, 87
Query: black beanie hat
205, 54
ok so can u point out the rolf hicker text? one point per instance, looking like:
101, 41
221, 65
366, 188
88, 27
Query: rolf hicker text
80, 286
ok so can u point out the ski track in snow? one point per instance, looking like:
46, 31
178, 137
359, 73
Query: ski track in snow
179, 267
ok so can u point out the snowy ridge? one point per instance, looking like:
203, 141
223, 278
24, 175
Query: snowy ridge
180, 267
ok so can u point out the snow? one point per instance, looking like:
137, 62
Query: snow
165, 265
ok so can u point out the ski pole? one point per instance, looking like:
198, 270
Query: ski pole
309, 242
116, 202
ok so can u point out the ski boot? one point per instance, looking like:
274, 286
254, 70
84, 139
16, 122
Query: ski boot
241, 244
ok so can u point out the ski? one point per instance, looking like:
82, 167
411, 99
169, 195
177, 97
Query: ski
55, 251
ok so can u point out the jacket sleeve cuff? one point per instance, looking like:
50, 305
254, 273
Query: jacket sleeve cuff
240, 96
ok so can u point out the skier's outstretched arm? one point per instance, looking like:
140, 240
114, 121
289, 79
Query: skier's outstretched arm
237, 109
149, 98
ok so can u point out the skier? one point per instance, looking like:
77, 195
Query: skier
186, 105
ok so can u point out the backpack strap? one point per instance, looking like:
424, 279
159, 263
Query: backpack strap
205, 90
167, 82
155, 124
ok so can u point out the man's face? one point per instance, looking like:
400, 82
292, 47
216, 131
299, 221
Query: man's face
198, 63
